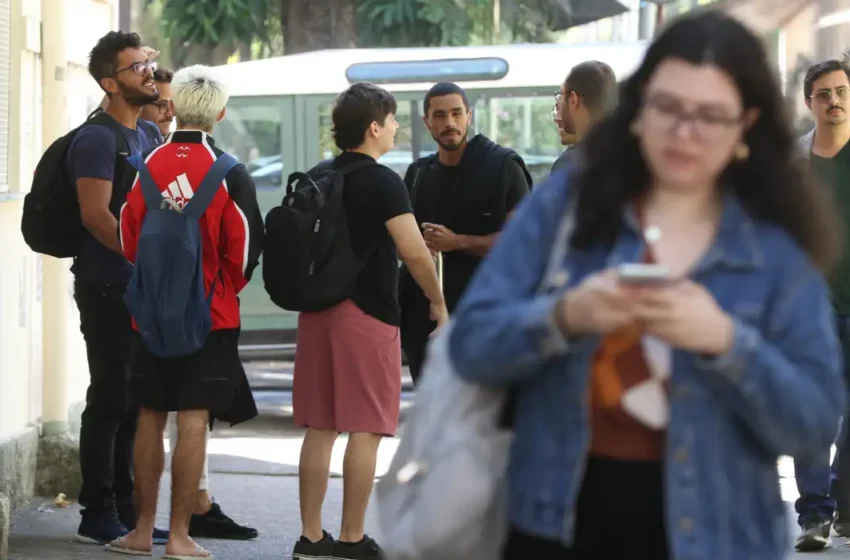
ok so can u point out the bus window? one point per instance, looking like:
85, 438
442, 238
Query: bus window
251, 131
412, 139
523, 124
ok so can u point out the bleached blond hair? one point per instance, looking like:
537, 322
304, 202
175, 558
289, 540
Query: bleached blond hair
199, 94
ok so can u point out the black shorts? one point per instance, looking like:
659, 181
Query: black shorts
210, 379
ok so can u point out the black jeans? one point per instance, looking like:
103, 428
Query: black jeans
619, 515
108, 422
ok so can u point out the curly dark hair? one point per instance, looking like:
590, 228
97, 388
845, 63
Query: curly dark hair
356, 109
103, 59
163, 75
772, 184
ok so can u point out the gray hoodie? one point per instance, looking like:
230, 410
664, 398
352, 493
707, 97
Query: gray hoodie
804, 144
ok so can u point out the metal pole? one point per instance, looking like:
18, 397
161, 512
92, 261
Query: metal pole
125, 20
645, 20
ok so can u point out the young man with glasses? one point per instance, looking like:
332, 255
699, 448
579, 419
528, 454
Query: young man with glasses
97, 162
160, 112
824, 488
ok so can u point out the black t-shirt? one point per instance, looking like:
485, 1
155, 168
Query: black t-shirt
443, 201
444, 183
834, 173
373, 195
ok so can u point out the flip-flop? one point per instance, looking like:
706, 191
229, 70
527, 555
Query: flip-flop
200, 552
118, 546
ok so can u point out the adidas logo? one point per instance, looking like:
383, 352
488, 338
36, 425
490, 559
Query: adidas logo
179, 191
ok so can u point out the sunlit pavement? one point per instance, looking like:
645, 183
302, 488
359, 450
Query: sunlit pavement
254, 479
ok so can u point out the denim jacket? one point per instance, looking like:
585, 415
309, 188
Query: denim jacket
779, 391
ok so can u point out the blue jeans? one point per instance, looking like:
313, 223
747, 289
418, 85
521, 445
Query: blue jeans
825, 489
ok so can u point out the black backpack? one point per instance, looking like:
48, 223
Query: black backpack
51, 222
308, 261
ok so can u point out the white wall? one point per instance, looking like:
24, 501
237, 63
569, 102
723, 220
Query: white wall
20, 270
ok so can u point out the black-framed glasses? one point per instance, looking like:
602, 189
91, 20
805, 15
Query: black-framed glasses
163, 105
707, 126
139, 68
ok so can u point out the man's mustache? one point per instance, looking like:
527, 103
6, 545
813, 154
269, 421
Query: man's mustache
450, 131
833, 107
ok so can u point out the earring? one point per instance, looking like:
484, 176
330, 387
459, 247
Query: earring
742, 152
634, 128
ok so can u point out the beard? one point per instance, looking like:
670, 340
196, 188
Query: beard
136, 97
450, 146
567, 123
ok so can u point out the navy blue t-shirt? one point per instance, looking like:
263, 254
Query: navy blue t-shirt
92, 155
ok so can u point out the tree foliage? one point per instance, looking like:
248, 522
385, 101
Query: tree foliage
215, 26
210, 31
387, 23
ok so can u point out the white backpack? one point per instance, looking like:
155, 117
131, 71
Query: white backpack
444, 496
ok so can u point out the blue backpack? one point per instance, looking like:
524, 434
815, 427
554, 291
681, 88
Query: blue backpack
166, 294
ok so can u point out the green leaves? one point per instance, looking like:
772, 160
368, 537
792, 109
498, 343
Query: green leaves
213, 22
227, 24
424, 23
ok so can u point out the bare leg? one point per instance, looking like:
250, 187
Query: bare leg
204, 502
186, 465
358, 476
313, 469
149, 460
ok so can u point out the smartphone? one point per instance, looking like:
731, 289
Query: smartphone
643, 274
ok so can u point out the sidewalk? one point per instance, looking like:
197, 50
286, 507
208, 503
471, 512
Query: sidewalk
253, 478
269, 503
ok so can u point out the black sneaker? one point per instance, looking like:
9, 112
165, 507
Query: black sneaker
100, 527
815, 536
308, 550
367, 549
127, 516
215, 525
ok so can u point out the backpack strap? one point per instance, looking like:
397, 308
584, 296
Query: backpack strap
150, 190
103, 118
419, 174
335, 199
205, 194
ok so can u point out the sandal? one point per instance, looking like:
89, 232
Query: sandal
200, 552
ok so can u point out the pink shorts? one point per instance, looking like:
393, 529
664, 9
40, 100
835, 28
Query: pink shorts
347, 372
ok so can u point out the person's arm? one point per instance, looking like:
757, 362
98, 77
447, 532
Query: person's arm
393, 207
243, 228
502, 326
93, 160
415, 255
785, 382
515, 188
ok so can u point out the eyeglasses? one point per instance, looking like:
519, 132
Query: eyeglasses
163, 106
668, 116
139, 68
825, 95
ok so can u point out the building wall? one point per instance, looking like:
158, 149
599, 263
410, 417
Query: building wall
21, 145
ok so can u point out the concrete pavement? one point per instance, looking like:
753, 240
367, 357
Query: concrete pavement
253, 479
